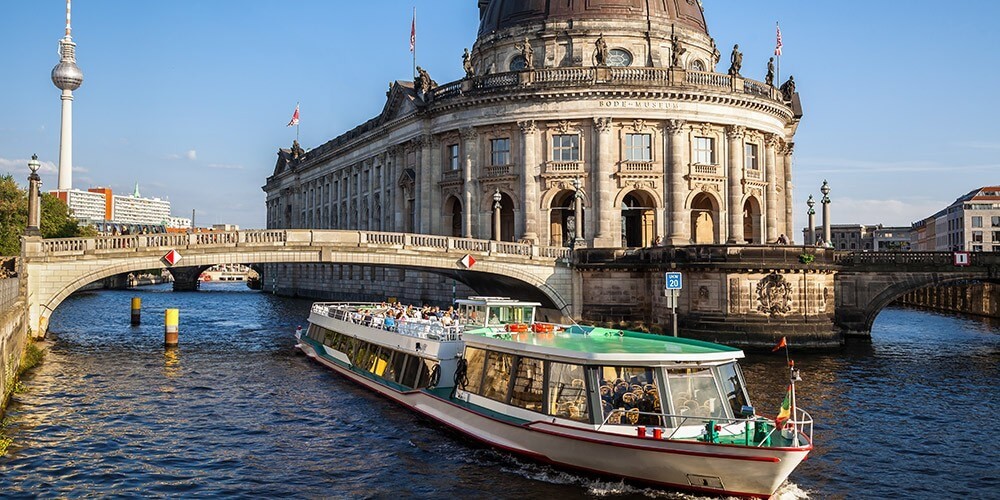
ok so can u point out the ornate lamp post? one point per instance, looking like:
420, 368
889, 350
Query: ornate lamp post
826, 211
34, 203
577, 212
812, 220
496, 214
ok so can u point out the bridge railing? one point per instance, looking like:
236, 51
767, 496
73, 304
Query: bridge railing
103, 245
915, 258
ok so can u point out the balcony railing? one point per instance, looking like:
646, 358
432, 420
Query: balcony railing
563, 167
754, 174
497, 170
635, 167
705, 169
451, 176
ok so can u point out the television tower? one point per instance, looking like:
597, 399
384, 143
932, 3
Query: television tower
67, 77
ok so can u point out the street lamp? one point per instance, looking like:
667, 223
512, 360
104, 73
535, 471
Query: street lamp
34, 205
497, 197
826, 211
812, 220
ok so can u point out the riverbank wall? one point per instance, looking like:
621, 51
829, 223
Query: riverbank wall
979, 299
13, 335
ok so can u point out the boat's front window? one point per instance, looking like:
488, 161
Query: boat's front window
567, 392
694, 393
509, 314
496, 380
528, 385
629, 395
475, 361
731, 378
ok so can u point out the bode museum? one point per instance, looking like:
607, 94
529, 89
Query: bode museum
625, 107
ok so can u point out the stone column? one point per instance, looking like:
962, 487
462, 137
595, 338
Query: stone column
826, 212
734, 134
469, 137
434, 206
678, 233
423, 187
770, 143
604, 186
529, 167
397, 158
789, 209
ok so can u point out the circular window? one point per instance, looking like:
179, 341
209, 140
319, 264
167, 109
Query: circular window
619, 57
697, 65
518, 63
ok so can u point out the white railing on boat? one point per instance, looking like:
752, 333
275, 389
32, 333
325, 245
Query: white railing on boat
693, 426
359, 314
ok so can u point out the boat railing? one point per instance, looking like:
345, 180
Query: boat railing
355, 312
802, 424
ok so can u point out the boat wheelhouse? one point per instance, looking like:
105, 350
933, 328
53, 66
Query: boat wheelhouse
661, 410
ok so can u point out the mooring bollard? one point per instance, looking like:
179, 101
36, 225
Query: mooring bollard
136, 310
170, 321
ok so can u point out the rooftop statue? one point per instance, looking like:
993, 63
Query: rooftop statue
527, 53
422, 83
601, 51
467, 64
736, 60
769, 79
676, 51
788, 88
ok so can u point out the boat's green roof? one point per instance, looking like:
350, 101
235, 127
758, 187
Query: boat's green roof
607, 341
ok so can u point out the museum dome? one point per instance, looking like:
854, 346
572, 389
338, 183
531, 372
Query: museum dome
497, 15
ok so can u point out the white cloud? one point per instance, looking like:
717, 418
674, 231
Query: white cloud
191, 155
225, 166
16, 166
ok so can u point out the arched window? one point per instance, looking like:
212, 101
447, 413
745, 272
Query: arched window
619, 57
696, 65
518, 63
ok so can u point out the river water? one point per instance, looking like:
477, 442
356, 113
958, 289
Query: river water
235, 412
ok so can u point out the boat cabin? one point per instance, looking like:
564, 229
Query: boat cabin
496, 313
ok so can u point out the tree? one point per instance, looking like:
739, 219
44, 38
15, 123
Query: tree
55, 222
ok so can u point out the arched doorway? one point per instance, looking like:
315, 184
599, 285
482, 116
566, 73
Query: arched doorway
506, 218
704, 220
453, 214
562, 219
638, 220
751, 222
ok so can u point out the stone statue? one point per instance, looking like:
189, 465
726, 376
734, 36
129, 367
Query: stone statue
527, 53
676, 51
297, 151
769, 79
422, 83
601, 51
788, 88
467, 64
736, 61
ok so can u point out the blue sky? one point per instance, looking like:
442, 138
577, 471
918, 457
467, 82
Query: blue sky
190, 98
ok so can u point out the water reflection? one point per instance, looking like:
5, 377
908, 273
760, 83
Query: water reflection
172, 361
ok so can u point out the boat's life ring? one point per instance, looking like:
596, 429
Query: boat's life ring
435, 377
542, 327
517, 327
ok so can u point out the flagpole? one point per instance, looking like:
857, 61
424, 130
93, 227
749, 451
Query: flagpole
413, 34
297, 127
777, 72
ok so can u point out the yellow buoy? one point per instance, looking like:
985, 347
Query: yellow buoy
136, 310
170, 321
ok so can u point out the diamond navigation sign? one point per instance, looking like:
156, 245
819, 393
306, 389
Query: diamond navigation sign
172, 257
674, 281
468, 261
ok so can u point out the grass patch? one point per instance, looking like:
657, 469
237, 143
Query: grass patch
32, 357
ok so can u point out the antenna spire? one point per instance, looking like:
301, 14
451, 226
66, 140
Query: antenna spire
68, 28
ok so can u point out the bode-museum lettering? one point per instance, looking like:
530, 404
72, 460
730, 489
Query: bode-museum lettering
639, 104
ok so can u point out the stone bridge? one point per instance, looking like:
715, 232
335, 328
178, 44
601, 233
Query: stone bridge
55, 268
868, 281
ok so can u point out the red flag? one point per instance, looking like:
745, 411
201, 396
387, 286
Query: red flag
777, 46
786, 409
781, 344
413, 31
295, 117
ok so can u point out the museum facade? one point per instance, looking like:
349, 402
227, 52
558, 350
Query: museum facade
613, 104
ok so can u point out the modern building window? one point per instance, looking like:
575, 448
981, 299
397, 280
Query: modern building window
500, 152
704, 150
996, 236
977, 221
977, 236
750, 157
638, 147
977, 248
566, 147
453, 156
995, 220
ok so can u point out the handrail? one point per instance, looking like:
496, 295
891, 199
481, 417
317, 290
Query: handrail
800, 423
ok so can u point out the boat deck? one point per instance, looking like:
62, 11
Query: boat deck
598, 340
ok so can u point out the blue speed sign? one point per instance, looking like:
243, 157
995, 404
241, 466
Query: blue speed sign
674, 281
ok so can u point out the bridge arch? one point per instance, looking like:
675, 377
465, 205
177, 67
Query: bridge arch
57, 268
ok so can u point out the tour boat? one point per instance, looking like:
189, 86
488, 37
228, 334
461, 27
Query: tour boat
648, 408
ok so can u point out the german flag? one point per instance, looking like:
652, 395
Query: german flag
783, 343
786, 409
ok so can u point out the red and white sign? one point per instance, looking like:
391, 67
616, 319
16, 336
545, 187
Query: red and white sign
468, 261
962, 259
172, 257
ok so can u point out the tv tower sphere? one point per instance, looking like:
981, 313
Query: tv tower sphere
67, 76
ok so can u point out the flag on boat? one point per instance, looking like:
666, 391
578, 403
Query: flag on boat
777, 46
295, 116
781, 344
786, 409
413, 31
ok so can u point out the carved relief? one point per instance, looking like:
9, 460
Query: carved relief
527, 126
468, 133
703, 293
771, 140
734, 295
638, 125
736, 132
603, 124
563, 126
774, 295
706, 129
675, 126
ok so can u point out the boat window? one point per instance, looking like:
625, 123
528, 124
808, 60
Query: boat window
509, 314
315, 333
567, 392
732, 385
396, 368
331, 338
496, 380
425, 367
364, 356
528, 385
381, 361
694, 393
476, 360
629, 396
346, 345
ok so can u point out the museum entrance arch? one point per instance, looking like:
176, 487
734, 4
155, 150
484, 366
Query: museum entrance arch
453, 216
704, 220
562, 219
638, 220
751, 222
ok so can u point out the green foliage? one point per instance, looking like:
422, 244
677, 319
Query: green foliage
32, 357
55, 217
806, 258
